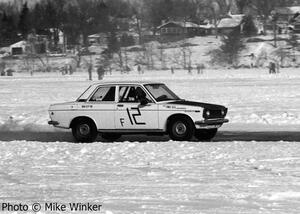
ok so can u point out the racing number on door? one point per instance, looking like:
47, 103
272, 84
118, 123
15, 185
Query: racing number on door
133, 114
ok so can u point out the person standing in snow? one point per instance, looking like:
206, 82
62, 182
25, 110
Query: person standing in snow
272, 68
190, 69
139, 69
277, 67
200, 68
90, 69
100, 72
252, 59
2, 68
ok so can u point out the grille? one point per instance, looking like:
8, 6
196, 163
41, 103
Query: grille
214, 114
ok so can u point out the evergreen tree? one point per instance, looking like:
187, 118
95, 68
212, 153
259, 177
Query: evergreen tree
53, 18
293, 42
228, 52
70, 26
231, 47
242, 4
101, 17
249, 28
8, 30
113, 42
38, 19
24, 25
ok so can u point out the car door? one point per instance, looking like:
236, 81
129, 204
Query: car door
130, 114
102, 106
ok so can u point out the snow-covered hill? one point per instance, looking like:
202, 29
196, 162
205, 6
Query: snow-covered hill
259, 51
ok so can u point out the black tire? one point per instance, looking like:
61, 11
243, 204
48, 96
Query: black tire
181, 129
111, 136
85, 131
205, 134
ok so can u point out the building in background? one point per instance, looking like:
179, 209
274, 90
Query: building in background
181, 28
231, 23
18, 48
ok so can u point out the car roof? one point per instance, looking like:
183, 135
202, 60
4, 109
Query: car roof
126, 83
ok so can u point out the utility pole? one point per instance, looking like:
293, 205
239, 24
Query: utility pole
274, 20
139, 25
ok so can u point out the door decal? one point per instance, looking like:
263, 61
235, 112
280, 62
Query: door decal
129, 116
133, 116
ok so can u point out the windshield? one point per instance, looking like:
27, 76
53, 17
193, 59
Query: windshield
85, 95
161, 92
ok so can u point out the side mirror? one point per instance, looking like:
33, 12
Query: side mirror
144, 101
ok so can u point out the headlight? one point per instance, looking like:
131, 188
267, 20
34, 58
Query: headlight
207, 113
223, 112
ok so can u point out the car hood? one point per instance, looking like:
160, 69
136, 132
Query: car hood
197, 104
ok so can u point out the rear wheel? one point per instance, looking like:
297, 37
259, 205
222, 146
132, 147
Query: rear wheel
181, 129
84, 131
205, 134
111, 136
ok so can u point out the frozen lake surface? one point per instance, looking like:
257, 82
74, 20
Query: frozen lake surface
253, 165
254, 97
155, 177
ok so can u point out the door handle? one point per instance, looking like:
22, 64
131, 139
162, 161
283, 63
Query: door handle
120, 105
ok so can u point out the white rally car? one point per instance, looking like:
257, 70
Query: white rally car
115, 109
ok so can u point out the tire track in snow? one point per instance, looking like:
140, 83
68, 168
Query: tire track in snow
66, 136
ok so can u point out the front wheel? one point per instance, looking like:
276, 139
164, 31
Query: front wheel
205, 134
181, 129
85, 131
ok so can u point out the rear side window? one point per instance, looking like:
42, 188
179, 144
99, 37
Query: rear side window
104, 94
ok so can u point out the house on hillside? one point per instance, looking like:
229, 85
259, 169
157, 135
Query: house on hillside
231, 23
18, 48
34, 44
101, 39
287, 13
206, 29
177, 29
288, 18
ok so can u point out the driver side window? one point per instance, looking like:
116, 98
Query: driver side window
129, 94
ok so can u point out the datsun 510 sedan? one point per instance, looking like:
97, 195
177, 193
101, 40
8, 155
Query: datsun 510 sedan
115, 109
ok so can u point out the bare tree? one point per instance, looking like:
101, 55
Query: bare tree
186, 55
214, 10
147, 57
162, 55
120, 60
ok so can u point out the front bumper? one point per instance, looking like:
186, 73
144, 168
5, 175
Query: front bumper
54, 123
210, 123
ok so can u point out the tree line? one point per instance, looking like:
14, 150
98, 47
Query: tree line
80, 18
76, 18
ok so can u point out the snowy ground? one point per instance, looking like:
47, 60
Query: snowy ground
155, 177
251, 167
